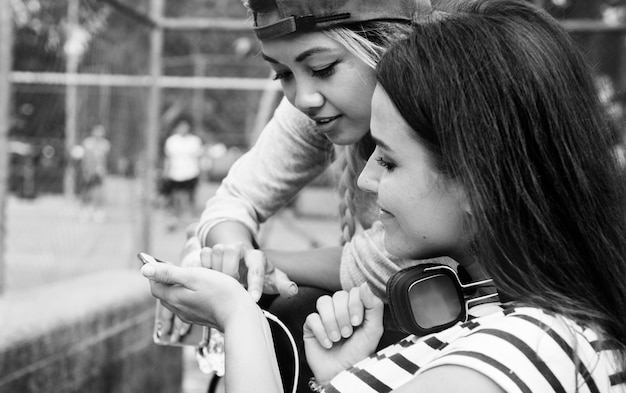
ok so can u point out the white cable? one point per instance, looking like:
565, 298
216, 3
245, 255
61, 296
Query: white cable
296, 359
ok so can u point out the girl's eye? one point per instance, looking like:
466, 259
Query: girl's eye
387, 165
282, 76
325, 72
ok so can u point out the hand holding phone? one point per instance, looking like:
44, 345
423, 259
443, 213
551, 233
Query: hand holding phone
168, 329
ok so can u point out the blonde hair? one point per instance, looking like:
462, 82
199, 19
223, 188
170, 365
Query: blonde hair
350, 165
368, 41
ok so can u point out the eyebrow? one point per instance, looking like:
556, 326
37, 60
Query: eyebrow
380, 143
301, 57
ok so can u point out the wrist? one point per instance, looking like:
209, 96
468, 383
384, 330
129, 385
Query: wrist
228, 232
245, 313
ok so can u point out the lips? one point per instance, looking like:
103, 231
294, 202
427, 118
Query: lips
325, 124
324, 120
382, 213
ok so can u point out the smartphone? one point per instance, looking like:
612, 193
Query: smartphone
146, 258
194, 336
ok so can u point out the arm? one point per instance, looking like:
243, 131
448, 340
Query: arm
288, 155
210, 298
228, 232
272, 271
450, 379
317, 268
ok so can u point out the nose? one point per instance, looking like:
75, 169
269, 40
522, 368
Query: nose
306, 96
368, 179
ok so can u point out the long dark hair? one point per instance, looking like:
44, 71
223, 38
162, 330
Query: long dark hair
506, 105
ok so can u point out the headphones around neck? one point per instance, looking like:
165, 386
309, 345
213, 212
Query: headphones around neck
428, 298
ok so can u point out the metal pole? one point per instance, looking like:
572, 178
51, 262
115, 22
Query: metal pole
71, 103
6, 60
199, 69
152, 128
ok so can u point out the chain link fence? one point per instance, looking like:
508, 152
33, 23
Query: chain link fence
214, 74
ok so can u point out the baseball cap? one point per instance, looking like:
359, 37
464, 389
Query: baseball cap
306, 15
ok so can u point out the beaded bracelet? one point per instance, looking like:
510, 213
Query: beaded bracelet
315, 387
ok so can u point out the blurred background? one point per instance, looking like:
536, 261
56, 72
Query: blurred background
133, 68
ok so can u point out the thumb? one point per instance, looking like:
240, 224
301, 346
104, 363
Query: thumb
372, 303
284, 285
168, 274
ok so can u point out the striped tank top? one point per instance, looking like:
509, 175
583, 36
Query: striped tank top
522, 349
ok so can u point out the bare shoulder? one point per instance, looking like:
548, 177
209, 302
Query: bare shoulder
450, 379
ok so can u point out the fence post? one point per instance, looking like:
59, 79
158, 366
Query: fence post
72, 53
153, 125
6, 61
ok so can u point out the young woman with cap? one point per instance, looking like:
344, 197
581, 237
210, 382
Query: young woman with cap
488, 127
324, 54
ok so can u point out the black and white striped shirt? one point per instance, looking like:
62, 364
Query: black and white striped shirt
522, 349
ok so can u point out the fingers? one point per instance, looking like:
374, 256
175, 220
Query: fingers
168, 274
326, 312
255, 261
337, 316
234, 258
250, 267
313, 327
373, 305
206, 258
191, 253
285, 286
231, 257
165, 321
225, 258
180, 330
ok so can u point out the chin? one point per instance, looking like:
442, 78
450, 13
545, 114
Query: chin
342, 140
345, 137
399, 250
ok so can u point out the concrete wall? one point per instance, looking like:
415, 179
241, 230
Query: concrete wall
90, 334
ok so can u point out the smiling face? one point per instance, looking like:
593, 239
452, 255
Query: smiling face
422, 210
325, 81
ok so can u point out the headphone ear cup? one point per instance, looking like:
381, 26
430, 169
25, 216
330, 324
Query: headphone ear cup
426, 298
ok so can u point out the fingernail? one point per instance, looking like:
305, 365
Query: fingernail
159, 332
182, 331
293, 289
148, 270
327, 343
355, 320
256, 295
335, 336
346, 331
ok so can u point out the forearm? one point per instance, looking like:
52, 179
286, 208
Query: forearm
287, 156
318, 267
228, 232
250, 357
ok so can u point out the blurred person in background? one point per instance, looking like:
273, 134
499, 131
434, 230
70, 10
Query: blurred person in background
94, 155
183, 153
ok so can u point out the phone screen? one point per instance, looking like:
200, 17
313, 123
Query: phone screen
146, 258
